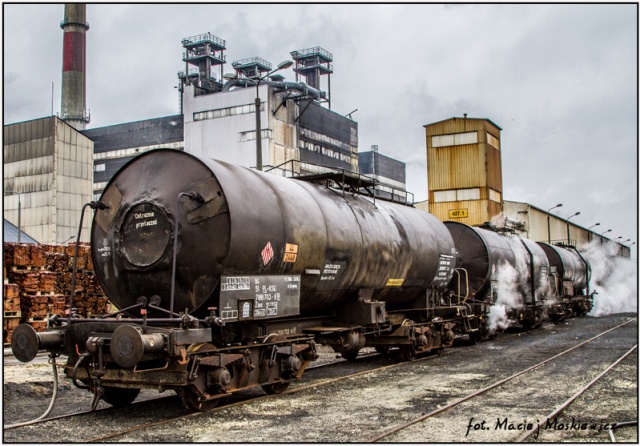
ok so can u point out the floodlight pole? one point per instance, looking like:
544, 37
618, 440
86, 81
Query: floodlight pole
281, 66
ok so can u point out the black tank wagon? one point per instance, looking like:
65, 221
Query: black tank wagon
225, 278
569, 279
489, 260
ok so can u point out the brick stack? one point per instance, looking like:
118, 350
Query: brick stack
38, 284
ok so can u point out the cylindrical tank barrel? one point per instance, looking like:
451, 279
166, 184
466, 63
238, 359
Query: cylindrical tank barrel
484, 253
569, 265
245, 222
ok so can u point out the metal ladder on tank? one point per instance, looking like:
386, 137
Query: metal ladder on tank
462, 306
466, 323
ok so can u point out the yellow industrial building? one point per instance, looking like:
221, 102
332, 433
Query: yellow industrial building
464, 174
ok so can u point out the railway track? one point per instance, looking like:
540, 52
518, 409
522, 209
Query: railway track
237, 399
573, 397
140, 405
301, 388
132, 424
530, 427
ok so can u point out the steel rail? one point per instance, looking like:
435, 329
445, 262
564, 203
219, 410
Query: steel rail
142, 402
260, 398
486, 389
565, 404
617, 425
286, 392
86, 412
309, 369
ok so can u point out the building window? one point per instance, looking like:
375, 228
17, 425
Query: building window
442, 196
468, 194
321, 137
251, 135
493, 141
456, 139
494, 195
227, 111
99, 167
122, 153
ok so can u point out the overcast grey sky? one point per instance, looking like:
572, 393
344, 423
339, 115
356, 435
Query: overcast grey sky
561, 81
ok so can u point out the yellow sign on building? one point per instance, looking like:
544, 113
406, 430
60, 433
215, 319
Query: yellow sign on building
458, 213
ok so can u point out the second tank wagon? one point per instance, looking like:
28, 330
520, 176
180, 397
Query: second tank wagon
502, 268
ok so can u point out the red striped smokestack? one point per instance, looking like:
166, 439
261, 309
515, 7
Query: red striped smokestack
74, 96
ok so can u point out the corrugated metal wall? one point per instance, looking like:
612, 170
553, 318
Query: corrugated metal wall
539, 229
137, 134
50, 165
374, 163
74, 181
464, 165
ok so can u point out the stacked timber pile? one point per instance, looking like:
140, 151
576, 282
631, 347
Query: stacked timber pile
38, 284
12, 313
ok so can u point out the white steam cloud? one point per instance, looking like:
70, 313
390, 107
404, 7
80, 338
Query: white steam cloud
508, 297
614, 278
509, 281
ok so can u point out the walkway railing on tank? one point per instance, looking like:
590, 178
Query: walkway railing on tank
310, 171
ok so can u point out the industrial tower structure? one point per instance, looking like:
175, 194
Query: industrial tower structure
74, 66
204, 52
313, 63
251, 68
464, 170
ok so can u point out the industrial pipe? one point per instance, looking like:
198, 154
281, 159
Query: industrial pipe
298, 86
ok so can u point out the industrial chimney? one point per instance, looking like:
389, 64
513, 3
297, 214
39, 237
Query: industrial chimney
74, 98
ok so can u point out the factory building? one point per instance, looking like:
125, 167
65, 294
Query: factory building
115, 145
464, 174
464, 170
388, 172
299, 132
218, 115
47, 178
255, 118
541, 225
296, 135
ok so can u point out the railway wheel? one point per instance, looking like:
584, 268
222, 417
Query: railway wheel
408, 353
119, 396
350, 355
191, 400
275, 388
382, 349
